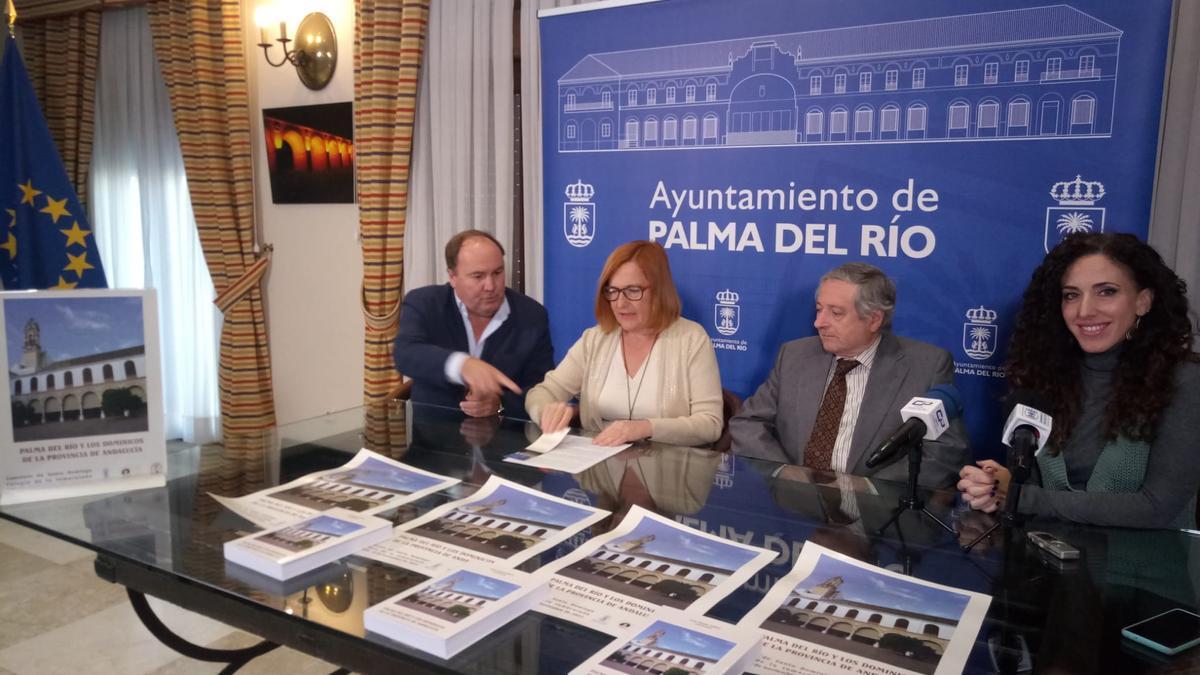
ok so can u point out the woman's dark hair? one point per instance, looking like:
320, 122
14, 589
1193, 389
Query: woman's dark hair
1045, 357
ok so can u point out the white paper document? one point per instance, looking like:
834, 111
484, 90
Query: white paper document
569, 454
647, 562
672, 641
448, 613
834, 614
502, 524
369, 483
548, 442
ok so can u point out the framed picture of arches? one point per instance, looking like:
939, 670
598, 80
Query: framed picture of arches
83, 396
310, 153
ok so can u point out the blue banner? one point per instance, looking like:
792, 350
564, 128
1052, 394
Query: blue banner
768, 141
45, 241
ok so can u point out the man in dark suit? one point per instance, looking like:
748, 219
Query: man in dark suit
472, 343
833, 398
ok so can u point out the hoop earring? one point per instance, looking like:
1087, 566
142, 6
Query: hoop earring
1136, 325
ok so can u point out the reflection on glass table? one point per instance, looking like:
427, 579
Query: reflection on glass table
1052, 615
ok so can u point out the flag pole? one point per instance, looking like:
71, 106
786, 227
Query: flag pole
11, 10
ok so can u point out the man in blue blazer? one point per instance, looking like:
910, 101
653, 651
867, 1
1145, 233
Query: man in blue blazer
472, 343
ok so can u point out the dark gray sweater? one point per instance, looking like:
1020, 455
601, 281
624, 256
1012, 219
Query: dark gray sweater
1172, 473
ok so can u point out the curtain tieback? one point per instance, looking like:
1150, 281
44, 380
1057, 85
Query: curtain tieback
382, 322
238, 289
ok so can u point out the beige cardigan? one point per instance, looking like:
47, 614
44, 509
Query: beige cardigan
689, 389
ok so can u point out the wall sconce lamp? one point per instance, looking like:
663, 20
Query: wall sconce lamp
315, 55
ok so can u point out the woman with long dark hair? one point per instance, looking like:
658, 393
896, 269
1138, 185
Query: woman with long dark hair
1104, 337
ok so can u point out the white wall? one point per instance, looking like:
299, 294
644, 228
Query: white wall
312, 289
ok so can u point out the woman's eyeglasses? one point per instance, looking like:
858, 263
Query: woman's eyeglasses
631, 293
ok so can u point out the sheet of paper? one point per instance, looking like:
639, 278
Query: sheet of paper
647, 562
573, 454
502, 524
368, 484
548, 442
835, 614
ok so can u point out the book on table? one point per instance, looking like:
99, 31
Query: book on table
453, 611
305, 545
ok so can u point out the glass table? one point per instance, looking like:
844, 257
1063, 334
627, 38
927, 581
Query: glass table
1046, 615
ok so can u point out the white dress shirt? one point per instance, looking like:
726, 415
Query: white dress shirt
856, 387
454, 363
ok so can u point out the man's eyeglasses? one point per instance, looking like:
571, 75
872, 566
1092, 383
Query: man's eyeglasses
632, 293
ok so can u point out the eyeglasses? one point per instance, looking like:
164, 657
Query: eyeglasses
632, 293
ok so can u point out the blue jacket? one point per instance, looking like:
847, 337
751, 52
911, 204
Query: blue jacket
432, 328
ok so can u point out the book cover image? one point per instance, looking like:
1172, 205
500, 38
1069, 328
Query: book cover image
369, 485
507, 521
858, 610
307, 535
662, 646
835, 614
67, 358
661, 563
81, 411
457, 596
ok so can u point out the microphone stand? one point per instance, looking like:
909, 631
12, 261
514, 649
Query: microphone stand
912, 500
1021, 465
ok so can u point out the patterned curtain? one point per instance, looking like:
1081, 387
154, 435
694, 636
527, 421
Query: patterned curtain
60, 54
199, 48
389, 40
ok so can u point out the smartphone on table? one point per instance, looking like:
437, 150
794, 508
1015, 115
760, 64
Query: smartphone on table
1170, 632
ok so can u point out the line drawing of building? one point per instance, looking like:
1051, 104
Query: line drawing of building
646, 654
627, 567
1035, 73
821, 610
73, 389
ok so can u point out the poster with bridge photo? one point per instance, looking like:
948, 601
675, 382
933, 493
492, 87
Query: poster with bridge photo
834, 614
83, 408
647, 562
501, 524
369, 484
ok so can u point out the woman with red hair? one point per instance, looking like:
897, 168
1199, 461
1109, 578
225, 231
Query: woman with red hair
642, 372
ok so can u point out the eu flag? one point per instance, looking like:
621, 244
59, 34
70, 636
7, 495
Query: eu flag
45, 239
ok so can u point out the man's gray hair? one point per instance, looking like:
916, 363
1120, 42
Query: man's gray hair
875, 290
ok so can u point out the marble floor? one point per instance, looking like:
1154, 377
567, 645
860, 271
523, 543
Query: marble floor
40, 577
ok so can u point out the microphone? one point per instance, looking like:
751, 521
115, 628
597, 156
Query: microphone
925, 418
1026, 431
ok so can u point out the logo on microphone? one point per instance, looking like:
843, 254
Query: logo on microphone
723, 478
727, 314
1076, 210
980, 333
579, 214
